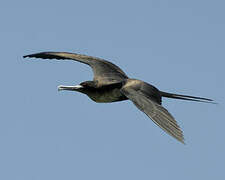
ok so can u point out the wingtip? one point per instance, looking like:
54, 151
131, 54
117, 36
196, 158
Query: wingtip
183, 142
42, 55
31, 55
180, 139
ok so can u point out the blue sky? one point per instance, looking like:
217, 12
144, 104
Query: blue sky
178, 46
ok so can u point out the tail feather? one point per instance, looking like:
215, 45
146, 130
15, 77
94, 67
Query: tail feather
185, 97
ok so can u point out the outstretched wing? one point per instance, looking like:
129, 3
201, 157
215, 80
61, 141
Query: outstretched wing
105, 72
155, 111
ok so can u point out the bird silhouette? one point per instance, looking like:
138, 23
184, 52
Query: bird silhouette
111, 84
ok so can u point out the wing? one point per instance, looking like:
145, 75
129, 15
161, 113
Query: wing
155, 111
105, 72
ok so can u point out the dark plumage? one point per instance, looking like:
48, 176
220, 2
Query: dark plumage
111, 84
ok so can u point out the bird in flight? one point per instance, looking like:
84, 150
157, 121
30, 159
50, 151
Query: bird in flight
111, 84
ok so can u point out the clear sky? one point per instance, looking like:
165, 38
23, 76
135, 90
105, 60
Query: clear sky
178, 46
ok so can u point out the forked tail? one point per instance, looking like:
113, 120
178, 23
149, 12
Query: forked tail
185, 97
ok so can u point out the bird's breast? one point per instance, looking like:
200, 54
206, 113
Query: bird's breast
106, 96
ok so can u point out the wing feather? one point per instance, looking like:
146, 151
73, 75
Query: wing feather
105, 72
154, 111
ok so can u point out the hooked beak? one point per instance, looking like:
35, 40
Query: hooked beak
69, 88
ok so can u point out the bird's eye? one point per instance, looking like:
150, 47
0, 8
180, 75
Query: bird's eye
83, 84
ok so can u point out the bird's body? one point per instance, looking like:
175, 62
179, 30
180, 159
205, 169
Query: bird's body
105, 94
102, 95
111, 84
